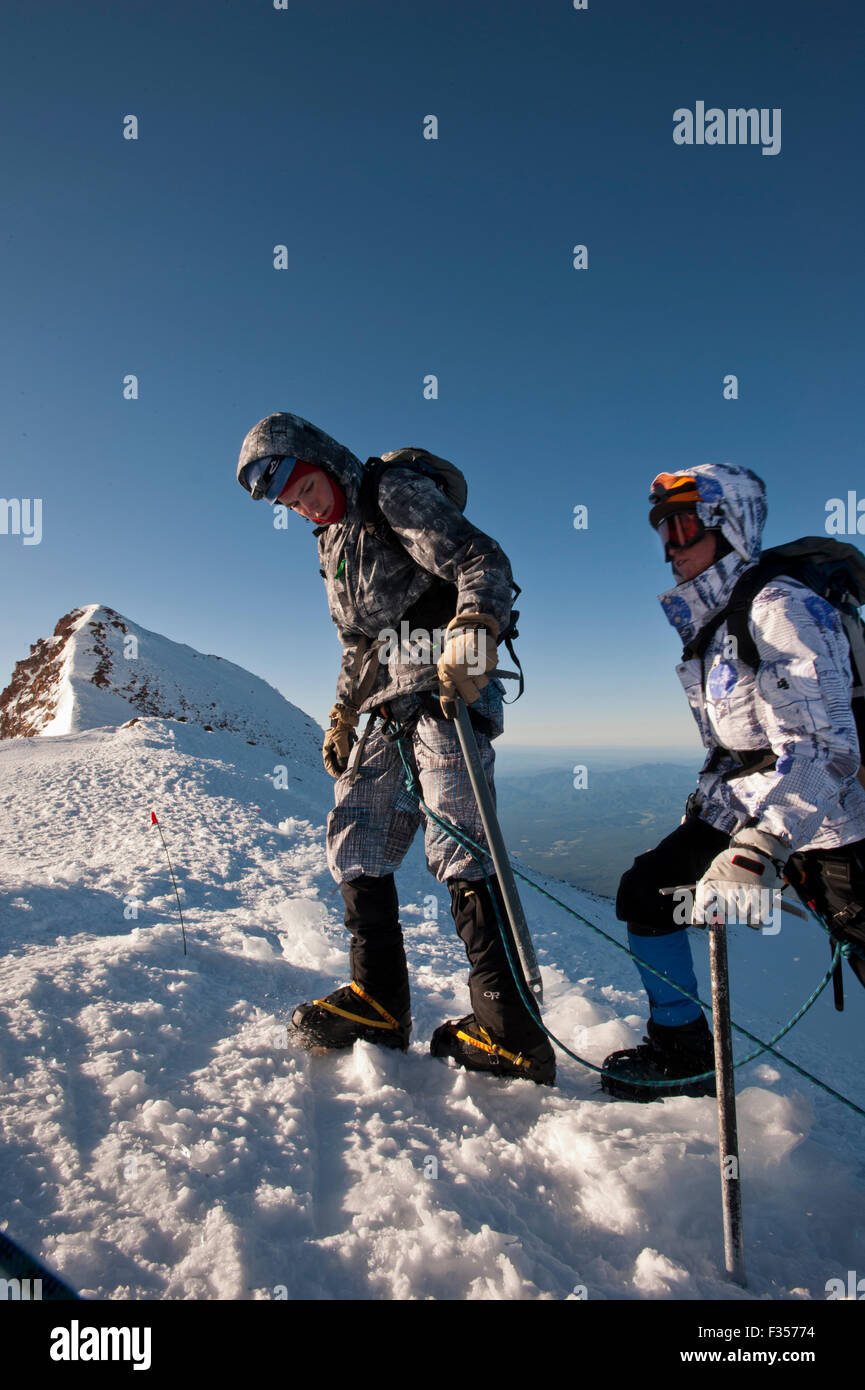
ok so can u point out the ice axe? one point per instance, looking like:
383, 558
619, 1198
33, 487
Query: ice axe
725, 1090
728, 1136
498, 852
728, 1142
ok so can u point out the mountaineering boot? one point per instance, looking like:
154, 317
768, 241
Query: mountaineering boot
474, 1048
376, 1006
376, 951
666, 1054
501, 1034
347, 1015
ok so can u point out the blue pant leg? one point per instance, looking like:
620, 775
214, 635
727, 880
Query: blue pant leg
654, 933
671, 954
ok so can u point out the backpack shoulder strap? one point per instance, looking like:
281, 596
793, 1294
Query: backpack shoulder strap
510, 632
736, 612
832, 569
368, 493
447, 478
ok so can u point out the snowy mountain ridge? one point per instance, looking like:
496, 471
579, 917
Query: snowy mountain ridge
99, 668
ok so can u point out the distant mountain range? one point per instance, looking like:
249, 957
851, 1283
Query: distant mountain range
589, 836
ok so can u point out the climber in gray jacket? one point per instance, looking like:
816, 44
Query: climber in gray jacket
419, 597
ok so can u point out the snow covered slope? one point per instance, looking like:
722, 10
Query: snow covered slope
99, 668
160, 1140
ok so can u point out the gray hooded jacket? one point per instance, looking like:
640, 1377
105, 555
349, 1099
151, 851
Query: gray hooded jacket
378, 576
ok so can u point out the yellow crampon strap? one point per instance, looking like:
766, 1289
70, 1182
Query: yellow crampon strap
489, 1046
356, 1018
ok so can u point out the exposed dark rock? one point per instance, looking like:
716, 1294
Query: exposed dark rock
30, 699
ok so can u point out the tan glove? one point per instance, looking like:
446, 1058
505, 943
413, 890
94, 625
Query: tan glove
339, 739
469, 652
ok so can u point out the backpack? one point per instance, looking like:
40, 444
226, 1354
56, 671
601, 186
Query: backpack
445, 475
833, 570
448, 478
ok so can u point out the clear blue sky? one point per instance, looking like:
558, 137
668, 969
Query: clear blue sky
407, 257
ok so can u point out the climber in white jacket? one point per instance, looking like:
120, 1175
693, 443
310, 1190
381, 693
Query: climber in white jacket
779, 795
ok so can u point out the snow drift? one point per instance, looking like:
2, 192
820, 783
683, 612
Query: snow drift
158, 1138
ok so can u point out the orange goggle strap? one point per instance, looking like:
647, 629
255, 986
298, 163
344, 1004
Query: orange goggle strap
389, 1022
490, 1046
672, 492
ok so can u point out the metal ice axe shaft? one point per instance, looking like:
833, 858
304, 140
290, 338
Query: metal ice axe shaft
725, 1089
728, 1138
498, 852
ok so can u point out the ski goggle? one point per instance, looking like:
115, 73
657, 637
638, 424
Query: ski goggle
679, 530
674, 514
267, 477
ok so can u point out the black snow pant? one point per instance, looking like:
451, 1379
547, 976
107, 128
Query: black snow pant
830, 880
496, 1001
378, 962
376, 950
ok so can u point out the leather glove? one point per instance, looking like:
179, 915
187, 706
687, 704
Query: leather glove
339, 739
469, 652
754, 861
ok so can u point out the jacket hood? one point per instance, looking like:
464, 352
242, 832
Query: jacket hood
733, 501
692, 602
293, 437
